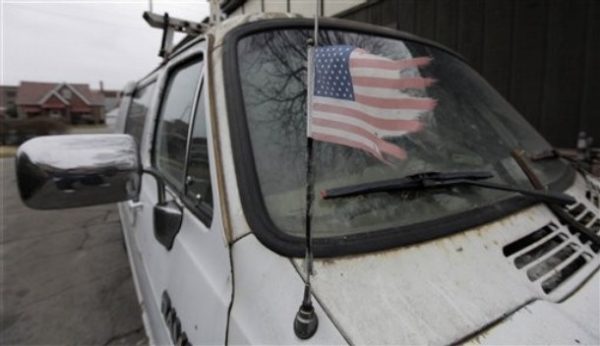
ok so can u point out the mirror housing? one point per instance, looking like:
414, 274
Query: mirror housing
167, 222
67, 171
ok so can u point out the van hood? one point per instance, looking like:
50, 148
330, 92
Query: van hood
451, 289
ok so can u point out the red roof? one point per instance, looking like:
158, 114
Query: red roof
96, 97
30, 93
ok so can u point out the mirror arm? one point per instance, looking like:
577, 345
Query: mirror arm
160, 182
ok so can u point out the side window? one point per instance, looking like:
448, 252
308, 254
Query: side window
138, 110
174, 122
199, 188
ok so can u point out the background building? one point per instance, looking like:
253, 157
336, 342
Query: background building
543, 56
74, 103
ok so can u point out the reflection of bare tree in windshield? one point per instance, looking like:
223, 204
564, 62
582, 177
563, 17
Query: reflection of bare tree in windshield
280, 59
470, 128
280, 56
274, 77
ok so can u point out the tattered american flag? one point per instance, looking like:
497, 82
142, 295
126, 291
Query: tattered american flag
358, 100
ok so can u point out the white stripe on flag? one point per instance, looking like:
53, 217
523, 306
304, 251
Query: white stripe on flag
384, 93
375, 72
357, 122
389, 114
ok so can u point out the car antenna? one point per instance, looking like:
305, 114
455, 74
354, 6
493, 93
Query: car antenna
306, 321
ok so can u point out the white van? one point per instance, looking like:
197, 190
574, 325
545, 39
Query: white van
453, 244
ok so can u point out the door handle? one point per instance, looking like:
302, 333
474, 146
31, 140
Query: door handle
134, 206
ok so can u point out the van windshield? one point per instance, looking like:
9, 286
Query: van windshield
468, 127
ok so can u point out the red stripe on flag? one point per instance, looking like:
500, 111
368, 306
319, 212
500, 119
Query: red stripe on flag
383, 124
346, 142
382, 145
393, 83
425, 104
365, 61
391, 149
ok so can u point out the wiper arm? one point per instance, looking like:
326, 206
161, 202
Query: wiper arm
559, 212
547, 154
442, 179
550, 154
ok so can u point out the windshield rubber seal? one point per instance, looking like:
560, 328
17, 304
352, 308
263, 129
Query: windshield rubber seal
253, 205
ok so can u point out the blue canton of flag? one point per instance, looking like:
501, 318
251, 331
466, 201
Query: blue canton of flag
332, 72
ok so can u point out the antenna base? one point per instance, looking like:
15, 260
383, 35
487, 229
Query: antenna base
306, 322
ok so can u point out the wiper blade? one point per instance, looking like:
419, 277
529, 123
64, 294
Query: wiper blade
442, 179
408, 182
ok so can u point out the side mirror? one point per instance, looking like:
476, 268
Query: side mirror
56, 172
167, 216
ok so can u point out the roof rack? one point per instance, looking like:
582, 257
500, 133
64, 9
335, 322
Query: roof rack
170, 25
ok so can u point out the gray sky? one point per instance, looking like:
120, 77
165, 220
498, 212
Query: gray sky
83, 41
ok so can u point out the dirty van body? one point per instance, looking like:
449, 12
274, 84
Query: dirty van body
210, 176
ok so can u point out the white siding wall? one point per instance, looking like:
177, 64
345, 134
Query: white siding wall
275, 5
304, 7
252, 6
333, 7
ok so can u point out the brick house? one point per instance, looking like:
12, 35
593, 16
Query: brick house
74, 103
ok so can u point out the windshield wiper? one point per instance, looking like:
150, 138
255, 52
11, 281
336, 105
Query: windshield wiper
427, 180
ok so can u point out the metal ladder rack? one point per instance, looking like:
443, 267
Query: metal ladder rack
170, 25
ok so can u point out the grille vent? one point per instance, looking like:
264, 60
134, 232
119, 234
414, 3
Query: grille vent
594, 198
548, 256
588, 218
592, 193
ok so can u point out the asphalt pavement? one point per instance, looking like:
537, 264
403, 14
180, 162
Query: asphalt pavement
65, 278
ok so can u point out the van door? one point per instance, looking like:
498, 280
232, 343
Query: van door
186, 289
136, 105
135, 108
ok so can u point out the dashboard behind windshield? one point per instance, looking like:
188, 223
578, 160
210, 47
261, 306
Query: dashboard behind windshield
470, 128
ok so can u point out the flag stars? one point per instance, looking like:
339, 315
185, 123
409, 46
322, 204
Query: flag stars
332, 71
